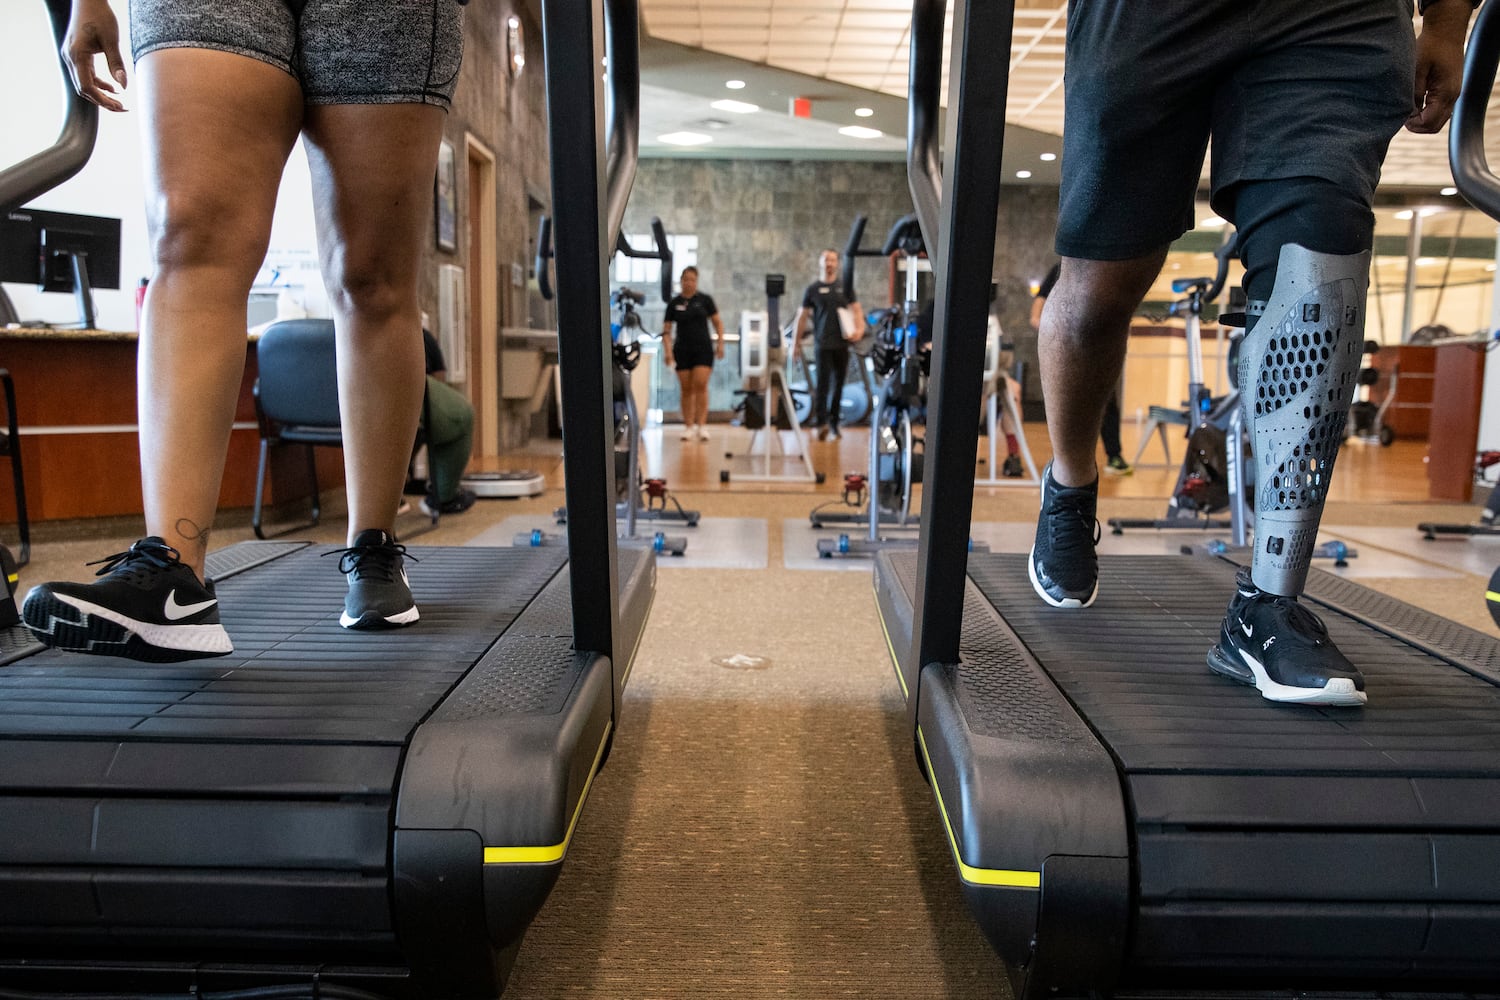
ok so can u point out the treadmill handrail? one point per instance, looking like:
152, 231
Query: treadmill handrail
622, 108
38, 174
924, 172
663, 253
1471, 169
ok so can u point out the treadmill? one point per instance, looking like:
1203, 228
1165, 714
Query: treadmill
328, 813
1123, 821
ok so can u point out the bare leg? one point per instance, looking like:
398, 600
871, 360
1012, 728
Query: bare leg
217, 132
689, 403
372, 168
1084, 329
700, 376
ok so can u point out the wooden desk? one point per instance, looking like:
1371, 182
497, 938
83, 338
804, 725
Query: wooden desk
76, 403
1458, 376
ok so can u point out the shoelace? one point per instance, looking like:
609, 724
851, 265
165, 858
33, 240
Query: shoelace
1063, 513
140, 559
367, 561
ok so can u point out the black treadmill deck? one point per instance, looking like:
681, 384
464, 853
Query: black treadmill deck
1223, 835
385, 809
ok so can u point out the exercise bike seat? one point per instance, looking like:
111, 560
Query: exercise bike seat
1180, 285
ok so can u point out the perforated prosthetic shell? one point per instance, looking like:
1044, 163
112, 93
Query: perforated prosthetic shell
1297, 377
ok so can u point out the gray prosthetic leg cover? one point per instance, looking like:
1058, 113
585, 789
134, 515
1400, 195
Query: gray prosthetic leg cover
1297, 375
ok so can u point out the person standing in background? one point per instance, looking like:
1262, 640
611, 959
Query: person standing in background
686, 343
822, 303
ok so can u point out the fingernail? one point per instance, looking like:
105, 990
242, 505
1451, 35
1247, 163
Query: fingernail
120, 77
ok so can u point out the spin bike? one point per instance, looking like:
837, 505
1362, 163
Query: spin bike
636, 499
883, 496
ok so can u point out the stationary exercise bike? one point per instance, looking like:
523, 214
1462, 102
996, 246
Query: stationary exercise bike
883, 495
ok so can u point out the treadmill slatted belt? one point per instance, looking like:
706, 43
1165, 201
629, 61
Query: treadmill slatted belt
1134, 666
295, 673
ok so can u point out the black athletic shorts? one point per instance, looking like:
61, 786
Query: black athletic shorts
1286, 88
340, 51
690, 354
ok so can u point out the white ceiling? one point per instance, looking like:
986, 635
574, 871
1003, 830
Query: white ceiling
864, 44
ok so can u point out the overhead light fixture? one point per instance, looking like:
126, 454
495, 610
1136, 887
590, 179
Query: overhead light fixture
684, 138
738, 107
860, 132
735, 84
1048, 157
1405, 214
864, 112
1448, 192
1211, 222
1023, 174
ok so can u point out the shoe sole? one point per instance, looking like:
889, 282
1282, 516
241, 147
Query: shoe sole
372, 620
1339, 692
83, 627
1066, 602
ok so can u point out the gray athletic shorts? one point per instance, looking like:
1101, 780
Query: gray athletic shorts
340, 51
1286, 88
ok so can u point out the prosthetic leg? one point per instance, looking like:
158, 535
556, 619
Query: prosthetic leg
1297, 376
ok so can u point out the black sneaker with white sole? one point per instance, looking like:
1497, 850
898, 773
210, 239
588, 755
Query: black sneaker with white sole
148, 606
1281, 648
1063, 565
379, 594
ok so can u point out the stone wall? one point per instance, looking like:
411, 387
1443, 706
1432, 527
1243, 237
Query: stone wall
754, 217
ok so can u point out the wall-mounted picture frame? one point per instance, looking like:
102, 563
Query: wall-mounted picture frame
446, 194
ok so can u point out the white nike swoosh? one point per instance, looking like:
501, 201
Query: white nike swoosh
176, 612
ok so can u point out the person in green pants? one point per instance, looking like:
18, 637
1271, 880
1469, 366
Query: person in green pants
449, 440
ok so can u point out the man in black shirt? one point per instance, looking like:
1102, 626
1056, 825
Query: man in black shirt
1301, 101
821, 303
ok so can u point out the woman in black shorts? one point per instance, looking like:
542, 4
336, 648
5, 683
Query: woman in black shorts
692, 350
226, 88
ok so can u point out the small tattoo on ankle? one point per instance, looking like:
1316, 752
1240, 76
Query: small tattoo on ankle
189, 530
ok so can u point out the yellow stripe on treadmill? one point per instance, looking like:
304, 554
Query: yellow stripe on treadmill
553, 853
1492, 595
998, 877
891, 646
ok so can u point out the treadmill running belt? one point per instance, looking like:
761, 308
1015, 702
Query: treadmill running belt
1133, 665
295, 673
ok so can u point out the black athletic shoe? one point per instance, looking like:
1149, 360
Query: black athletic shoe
1063, 566
379, 594
1012, 467
1280, 647
148, 606
462, 501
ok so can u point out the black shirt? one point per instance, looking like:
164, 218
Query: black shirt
689, 319
434, 353
825, 298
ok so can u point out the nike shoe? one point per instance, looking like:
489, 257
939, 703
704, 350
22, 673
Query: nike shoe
1117, 466
1281, 648
148, 606
379, 594
1063, 566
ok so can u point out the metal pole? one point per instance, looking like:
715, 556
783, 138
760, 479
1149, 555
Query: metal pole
978, 82
573, 41
1413, 251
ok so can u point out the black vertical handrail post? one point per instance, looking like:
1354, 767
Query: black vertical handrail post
978, 76
36, 175
622, 106
573, 46
923, 168
1471, 169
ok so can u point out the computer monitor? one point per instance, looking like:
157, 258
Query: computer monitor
60, 252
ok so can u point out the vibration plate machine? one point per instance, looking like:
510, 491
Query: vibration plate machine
1125, 822
327, 813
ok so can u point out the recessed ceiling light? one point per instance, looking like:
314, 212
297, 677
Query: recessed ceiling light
735, 84
1048, 157
738, 107
863, 112
1405, 214
1023, 174
860, 132
684, 138
1210, 222
1448, 192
